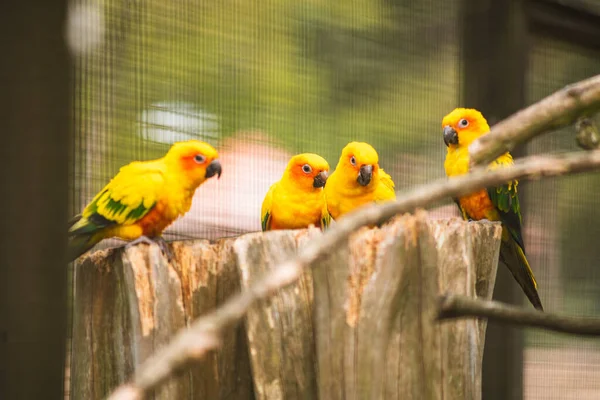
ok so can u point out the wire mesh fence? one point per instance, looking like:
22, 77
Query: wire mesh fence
264, 80
561, 234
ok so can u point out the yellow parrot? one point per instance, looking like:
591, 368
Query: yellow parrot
296, 200
461, 127
144, 198
356, 181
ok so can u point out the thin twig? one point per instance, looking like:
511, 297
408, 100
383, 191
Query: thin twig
560, 109
204, 334
453, 306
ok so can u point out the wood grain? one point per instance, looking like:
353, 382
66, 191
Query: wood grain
360, 324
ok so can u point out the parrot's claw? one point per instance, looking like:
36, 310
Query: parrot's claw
159, 241
164, 246
478, 220
141, 239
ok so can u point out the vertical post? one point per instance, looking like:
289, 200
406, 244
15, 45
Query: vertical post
494, 56
34, 115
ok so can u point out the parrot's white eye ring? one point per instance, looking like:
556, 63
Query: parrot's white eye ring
463, 123
199, 158
353, 160
306, 169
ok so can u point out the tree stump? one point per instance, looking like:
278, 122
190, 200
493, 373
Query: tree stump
129, 302
360, 325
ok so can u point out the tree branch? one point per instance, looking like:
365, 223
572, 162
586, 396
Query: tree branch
560, 109
452, 306
203, 335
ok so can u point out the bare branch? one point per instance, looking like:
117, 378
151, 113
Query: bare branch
452, 306
560, 109
203, 335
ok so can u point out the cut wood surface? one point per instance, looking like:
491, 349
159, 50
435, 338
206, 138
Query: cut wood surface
360, 325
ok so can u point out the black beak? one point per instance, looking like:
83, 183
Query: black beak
214, 168
365, 175
320, 179
450, 135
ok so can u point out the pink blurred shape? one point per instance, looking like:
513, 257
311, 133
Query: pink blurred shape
228, 206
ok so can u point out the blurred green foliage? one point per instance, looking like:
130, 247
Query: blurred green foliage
313, 74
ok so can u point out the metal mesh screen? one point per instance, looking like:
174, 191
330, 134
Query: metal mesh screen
262, 81
561, 234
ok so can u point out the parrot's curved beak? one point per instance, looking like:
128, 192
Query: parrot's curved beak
450, 136
364, 175
214, 168
320, 179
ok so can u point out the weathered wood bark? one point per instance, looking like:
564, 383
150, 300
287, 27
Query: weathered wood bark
376, 334
280, 333
130, 302
359, 325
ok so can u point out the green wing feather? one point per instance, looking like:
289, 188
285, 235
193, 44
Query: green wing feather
325, 217
265, 221
512, 252
130, 195
265, 209
506, 201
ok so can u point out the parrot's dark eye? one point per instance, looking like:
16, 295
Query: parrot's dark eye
463, 123
352, 160
306, 169
199, 158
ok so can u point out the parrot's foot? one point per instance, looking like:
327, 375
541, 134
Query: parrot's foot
478, 220
141, 239
158, 240
164, 246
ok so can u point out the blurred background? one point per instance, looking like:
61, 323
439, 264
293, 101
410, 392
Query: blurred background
263, 80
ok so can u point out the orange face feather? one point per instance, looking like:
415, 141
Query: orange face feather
461, 127
304, 168
195, 159
297, 199
145, 196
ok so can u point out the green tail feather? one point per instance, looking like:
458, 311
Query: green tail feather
513, 256
82, 238
79, 244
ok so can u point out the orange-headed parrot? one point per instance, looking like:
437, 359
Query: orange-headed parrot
297, 200
461, 127
144, 198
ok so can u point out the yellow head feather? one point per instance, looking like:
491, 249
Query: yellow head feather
354, 156
363, 152
303, 168
192, 161
468, 123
